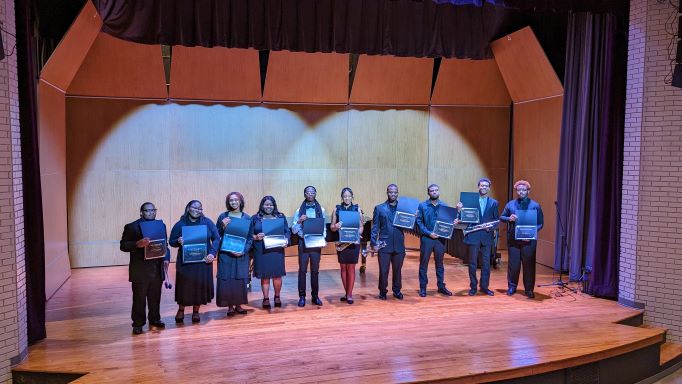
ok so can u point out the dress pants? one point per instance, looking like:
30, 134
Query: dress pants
426, 247
485, 268
522, 253
394, 260
305, 256
147, 294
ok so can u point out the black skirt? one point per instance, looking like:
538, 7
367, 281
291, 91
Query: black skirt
231, 292
350, 255
194, 284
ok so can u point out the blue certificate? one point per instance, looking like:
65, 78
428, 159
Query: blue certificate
350, 227
526, 227
313, 232
471, 209
155, 231
444, 224
406, 212
234, 239
194, 249
274, 233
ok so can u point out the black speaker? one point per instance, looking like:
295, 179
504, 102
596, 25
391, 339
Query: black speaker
677, 76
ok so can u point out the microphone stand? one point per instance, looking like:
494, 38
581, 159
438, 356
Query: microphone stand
563, 246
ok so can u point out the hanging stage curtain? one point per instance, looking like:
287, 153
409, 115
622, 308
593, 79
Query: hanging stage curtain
590, 163
385, 27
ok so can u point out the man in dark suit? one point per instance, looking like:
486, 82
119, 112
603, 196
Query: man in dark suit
521, 252
482, 240
430, 242
389, 242
146, 276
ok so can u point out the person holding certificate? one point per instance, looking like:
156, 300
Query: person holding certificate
309, 208
521, 250
347, 220
268, 259
197, 240
146, 271
389, 241
431, 240
236, 231
483, 239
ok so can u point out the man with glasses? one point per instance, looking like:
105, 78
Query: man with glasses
521, 252
309, 208
482, 240
146, 276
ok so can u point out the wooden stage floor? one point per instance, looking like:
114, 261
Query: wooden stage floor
458, 339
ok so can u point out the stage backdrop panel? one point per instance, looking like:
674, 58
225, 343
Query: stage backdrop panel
537, 127
121, 153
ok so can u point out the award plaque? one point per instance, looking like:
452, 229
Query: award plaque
234, 239
194, 249
156, 249
350, 227
470, 212
313, 233
444, 224
155, 230
406, 212
526, 227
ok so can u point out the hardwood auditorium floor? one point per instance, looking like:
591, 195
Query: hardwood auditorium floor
461, 338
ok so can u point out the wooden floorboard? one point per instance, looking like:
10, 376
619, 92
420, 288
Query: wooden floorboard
461, 338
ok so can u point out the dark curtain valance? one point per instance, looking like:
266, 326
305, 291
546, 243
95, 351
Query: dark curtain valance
385, 27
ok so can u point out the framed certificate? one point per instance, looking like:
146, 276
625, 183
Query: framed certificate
156, 231
313, 232
350, 227
444, 224
406, 212
470, 212
526, 227
194, 248
234, 239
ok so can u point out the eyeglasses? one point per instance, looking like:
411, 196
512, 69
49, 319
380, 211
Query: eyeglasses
150, 210
197, 209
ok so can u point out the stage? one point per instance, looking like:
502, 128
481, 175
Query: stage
437, 338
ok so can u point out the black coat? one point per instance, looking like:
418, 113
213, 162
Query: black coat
383, 230
139, 269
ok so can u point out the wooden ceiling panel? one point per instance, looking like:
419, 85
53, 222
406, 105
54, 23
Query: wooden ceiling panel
117, 68
525, 68
62, 66
299, 77
216, 74
389, 80
470, 82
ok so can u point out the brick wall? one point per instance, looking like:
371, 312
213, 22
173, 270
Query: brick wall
651, 233
13, 337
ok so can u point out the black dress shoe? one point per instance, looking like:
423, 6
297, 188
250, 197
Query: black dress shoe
343, 298
382, 296
301, 301
350, 301
530, 294
179, 317
488, 292
242, 311
137, 330
195, 317
398, 295
316, 301
157, 324
444, 291
511, 291
422, 293
266, 303
472, 292
278, 302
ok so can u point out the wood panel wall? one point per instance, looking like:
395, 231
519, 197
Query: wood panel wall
537, 128
52, 138
121, 153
